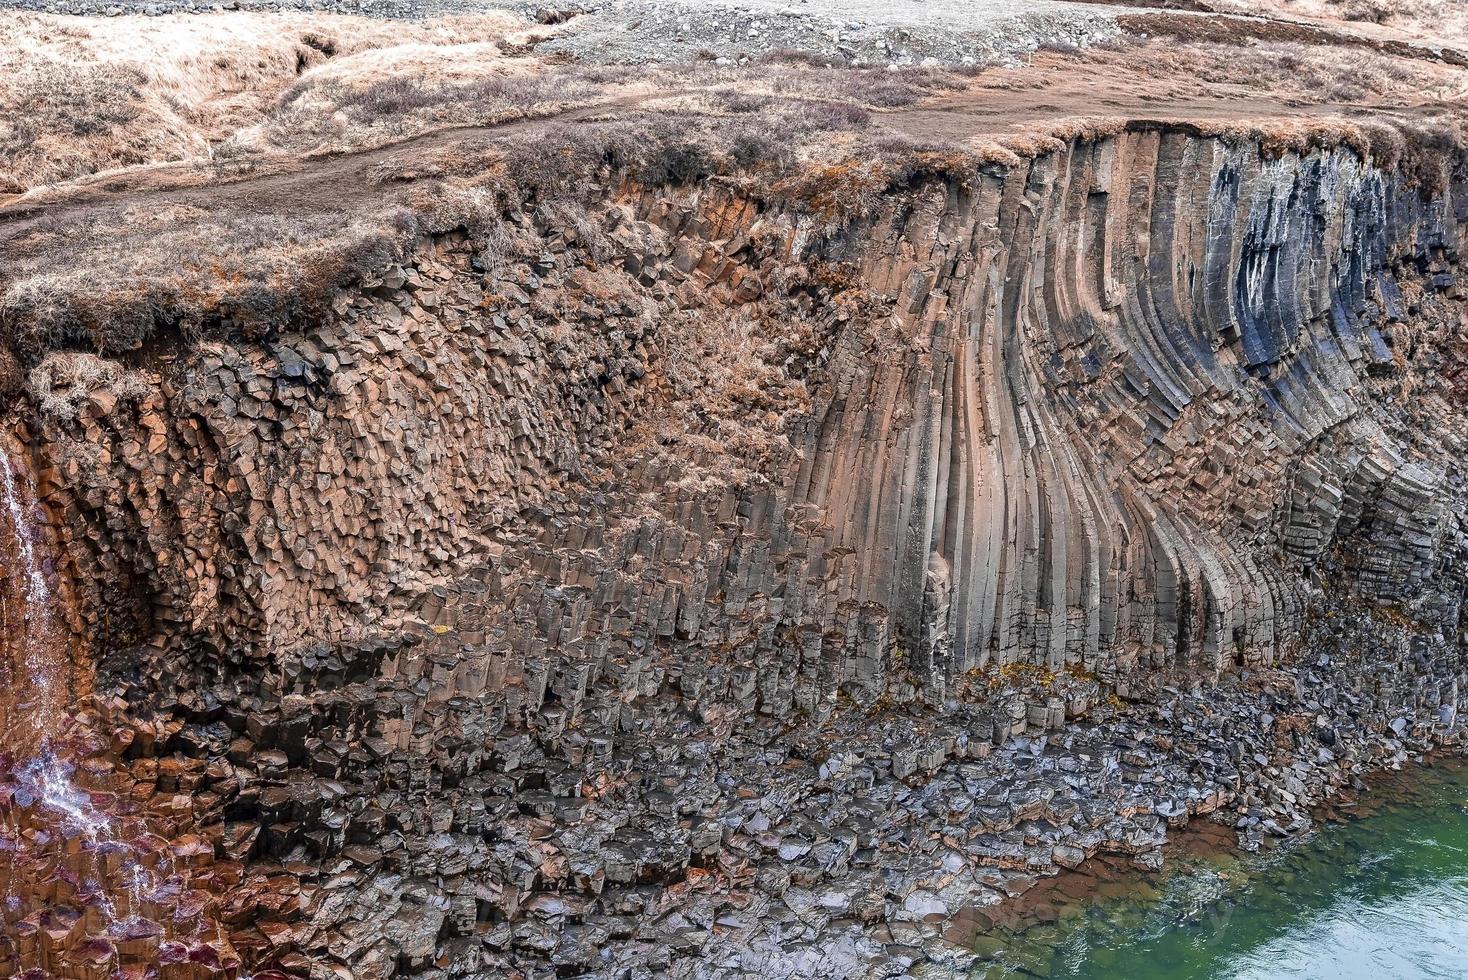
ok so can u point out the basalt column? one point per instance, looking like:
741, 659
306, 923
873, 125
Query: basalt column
1109, 410
1118, 387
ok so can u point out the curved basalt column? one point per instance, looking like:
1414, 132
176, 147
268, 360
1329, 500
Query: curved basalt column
1117, 389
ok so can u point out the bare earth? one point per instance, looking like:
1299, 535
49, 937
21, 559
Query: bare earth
1141, 81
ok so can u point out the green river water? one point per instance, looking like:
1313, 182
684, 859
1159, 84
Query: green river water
1380, 896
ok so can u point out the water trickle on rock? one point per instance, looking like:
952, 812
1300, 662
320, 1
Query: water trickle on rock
36, 640
87, 887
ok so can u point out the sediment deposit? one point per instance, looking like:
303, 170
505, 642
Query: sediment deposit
761, 572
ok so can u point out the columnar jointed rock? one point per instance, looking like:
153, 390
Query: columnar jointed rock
1073, 414
1109, 389
687, 579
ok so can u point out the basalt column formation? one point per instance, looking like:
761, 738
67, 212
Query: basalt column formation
1124, 398
670, 544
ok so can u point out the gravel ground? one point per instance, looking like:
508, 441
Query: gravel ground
948, 32
383, 9
933, 32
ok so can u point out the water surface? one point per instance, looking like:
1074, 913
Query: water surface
1382, 896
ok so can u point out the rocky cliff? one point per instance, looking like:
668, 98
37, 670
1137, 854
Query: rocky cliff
640, 575
1107, 407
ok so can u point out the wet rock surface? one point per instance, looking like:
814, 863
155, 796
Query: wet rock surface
693, 587
120, 862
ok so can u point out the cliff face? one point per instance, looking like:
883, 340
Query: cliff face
1108, 407
522, 587
1125, 397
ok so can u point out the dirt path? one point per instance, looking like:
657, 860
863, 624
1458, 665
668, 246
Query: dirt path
1051, 91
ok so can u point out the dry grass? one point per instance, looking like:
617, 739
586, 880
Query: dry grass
88, 95
730, 369
83, 95
79, 96
340, 111
1328, 74
189, 271
65, 381
131, 273
110, 279
361, 103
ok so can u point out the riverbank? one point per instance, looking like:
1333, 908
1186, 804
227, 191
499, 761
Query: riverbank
1377, 890
995, 838
895, 839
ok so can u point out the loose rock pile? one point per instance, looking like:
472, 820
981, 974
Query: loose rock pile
652, 829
